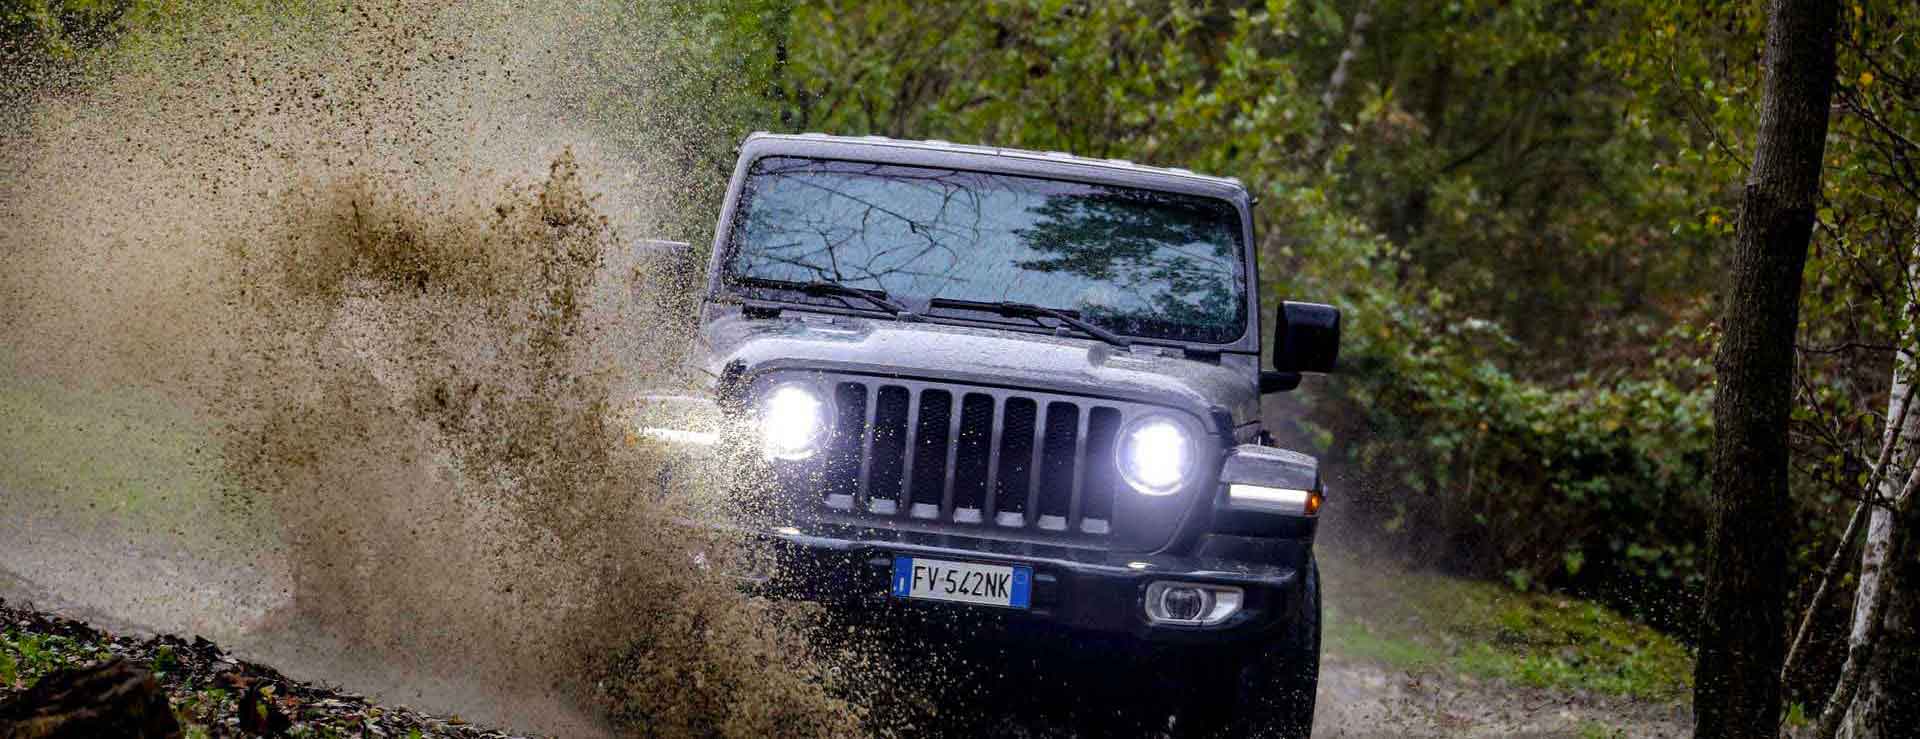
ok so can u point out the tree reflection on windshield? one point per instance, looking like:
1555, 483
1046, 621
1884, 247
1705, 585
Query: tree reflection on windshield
1189, 254
1141, 262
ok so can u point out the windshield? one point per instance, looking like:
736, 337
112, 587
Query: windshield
1139, 262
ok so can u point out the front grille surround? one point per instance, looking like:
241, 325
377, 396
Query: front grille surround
980, 460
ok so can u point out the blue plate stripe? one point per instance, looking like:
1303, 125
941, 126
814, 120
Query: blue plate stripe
902, 575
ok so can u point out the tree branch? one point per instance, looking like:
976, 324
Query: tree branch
1846, 540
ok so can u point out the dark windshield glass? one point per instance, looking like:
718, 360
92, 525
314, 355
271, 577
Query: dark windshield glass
1136, 261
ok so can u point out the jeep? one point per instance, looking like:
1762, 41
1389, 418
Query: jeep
1029, 383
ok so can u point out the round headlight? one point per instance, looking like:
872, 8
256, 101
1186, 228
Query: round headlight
1155, 455
793, 422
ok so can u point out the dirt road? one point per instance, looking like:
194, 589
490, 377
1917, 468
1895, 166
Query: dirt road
156, 583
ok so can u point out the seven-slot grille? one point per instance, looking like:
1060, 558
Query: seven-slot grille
973, 456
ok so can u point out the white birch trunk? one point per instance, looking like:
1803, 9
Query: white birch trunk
1885, 705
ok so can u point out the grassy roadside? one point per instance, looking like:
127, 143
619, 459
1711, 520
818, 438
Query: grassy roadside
1427, 621
114, 456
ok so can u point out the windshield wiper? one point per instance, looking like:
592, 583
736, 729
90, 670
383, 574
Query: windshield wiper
1030, 310
823, 287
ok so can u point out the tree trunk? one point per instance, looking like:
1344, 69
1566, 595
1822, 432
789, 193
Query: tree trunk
1886, 705
1330, 100
1743, 623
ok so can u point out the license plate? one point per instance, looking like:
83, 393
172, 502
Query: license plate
1006, 586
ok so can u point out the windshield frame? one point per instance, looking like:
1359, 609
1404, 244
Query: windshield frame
988, 161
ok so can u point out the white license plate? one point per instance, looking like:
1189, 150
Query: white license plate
1006, 586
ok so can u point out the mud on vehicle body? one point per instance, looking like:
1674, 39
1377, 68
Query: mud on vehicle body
1026, 383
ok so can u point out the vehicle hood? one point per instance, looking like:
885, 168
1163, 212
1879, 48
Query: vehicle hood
980, 355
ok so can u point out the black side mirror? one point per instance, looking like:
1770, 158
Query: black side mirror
1307, 338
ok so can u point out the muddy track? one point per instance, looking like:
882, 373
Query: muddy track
146, 584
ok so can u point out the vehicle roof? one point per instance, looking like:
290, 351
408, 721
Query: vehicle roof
907, 151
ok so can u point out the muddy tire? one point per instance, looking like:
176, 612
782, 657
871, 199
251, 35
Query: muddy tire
1268, 693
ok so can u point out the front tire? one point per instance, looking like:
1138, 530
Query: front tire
1268, 693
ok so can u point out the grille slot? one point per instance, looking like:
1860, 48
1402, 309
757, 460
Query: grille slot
972, 457
887, 444
1016, 462
1057, 462
1103, 479
959, 458
840, 475
930, 437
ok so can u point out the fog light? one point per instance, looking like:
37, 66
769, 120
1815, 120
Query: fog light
1191, 604
1182, 603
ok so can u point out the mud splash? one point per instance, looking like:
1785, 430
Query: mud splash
485, 489
396, 296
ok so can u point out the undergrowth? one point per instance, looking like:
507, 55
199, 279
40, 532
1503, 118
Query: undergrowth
1423, 620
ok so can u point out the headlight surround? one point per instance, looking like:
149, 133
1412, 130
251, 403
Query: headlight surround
1155, 454
794, 419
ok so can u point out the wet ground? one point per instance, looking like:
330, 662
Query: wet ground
147, 583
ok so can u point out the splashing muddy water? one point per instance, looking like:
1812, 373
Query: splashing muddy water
330, 311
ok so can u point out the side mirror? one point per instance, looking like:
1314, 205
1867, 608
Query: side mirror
1307, 338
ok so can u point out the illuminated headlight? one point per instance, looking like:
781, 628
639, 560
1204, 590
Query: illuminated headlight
1155, 455
793, 422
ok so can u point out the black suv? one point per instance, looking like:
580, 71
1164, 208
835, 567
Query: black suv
986, 378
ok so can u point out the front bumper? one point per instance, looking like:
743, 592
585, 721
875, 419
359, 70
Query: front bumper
1075, 588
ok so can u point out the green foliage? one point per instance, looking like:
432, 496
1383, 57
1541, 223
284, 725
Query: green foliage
1797, 715
200, 706
26, 656
1502, 472
163, 659
50, 48
65, 29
